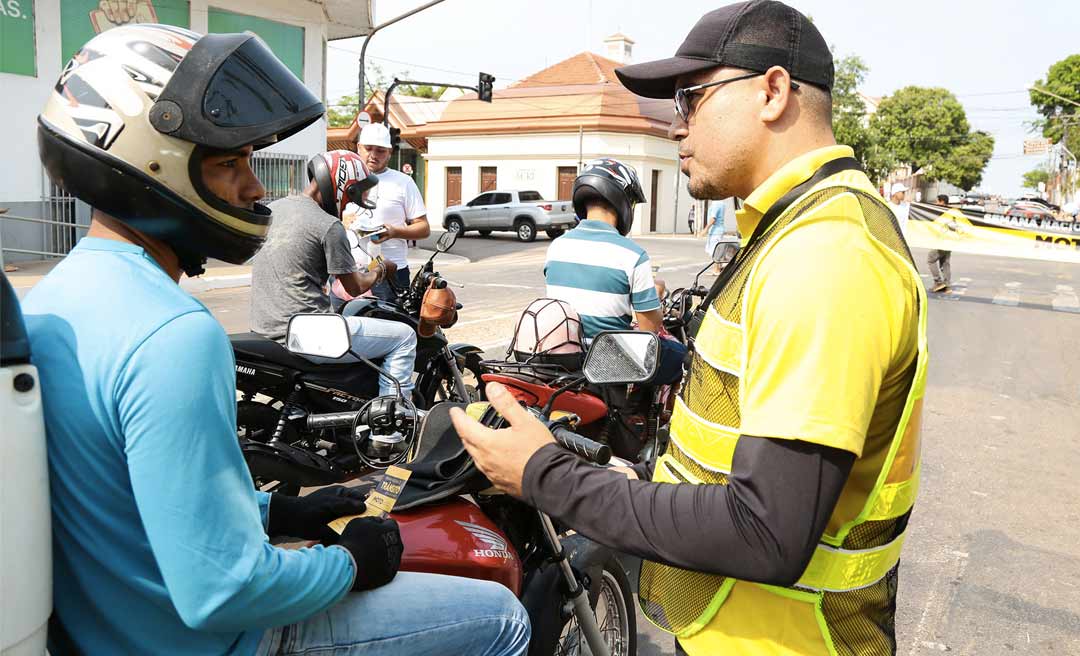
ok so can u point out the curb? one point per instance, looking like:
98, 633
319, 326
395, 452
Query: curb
232, 281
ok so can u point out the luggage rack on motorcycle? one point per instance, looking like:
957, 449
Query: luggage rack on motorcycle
542, 372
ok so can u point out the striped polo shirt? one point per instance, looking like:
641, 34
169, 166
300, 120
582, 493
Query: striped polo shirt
604, 276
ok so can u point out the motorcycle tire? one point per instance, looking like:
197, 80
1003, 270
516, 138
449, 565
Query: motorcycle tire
441, 388
616, 615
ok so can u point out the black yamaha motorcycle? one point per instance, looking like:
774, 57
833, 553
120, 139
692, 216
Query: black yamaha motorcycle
283, 399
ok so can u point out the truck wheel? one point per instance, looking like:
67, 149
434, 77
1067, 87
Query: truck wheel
454, 224
525, 229
485, 233
555, 233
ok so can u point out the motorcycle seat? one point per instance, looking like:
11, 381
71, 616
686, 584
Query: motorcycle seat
257, 347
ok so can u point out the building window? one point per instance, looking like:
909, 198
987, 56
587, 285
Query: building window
489, 178
17, 47
567, 175
453, 185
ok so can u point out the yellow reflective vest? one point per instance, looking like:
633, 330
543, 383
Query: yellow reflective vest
844, 602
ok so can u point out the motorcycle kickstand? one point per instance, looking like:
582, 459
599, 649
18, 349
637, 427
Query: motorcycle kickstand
577, 595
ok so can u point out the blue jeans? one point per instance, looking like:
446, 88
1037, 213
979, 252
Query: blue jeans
670, 367
380, 338
414, 614
383, 290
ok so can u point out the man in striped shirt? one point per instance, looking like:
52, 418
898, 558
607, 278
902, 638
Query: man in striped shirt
605, 276
601, 272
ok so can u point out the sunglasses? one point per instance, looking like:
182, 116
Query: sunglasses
682, 96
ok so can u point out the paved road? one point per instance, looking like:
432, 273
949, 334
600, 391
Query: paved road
992, 564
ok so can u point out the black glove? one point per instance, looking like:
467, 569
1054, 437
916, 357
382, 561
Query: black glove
375, 545
307, 517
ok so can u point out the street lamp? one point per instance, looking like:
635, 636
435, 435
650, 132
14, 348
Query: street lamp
363, 49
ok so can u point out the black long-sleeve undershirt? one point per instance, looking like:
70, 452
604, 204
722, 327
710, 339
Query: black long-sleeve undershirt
763, 526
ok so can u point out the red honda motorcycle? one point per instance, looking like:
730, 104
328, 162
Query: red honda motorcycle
452, 520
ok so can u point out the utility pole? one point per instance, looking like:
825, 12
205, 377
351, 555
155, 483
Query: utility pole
362, 96
580, 148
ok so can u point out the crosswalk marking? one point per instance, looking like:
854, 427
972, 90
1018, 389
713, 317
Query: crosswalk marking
1065, 299
1009, 295
1046, 296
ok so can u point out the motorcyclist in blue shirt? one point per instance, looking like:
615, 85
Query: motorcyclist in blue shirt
160, 541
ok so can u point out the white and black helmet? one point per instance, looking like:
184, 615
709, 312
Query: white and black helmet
137, 109
613, 182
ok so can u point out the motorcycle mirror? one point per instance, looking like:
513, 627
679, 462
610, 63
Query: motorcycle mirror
446, 241
622, 357
323, 335
725, 250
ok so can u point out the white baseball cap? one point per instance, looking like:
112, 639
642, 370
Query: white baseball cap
897, 188
375, 134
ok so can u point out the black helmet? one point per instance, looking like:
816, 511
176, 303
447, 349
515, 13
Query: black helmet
137, 109
613, 182
342, 178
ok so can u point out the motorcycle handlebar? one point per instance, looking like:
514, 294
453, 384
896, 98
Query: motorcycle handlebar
332, 420
582, 446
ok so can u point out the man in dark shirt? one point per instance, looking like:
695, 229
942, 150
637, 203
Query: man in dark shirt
306, 246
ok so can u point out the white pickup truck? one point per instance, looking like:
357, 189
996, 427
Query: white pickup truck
520, 212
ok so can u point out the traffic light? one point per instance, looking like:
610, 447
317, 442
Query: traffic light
484, 88
395, 138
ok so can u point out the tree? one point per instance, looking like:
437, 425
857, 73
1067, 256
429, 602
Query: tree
928, 129
850, 124
343, 111
1036, 175
421, 91
1063, 79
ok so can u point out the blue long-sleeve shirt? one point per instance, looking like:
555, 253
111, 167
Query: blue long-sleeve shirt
159, 538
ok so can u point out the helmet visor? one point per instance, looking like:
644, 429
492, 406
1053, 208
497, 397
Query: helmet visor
251, 88
231, 91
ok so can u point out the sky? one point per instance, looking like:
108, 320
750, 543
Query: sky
985, 52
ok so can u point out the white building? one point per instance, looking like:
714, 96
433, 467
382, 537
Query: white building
538, 132
39, 36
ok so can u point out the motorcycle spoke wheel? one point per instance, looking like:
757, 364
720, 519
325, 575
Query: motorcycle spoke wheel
612, 617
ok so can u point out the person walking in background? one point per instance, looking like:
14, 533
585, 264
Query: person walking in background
713, 230
691, 220
938, 260
899, 204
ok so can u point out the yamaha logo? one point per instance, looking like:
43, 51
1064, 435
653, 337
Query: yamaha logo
247, 371
496, 545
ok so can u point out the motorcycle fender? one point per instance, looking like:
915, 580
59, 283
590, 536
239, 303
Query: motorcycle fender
462, 349
462, 352
587, 557
283, 462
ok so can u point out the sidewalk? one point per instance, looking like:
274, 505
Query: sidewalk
219, 275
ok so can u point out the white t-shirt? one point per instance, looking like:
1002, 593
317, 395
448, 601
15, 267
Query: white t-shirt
902, 211
398, 201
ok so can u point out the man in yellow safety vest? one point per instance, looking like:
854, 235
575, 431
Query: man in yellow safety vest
773, 522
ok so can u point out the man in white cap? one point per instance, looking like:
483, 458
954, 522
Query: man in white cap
399, 207
899, 205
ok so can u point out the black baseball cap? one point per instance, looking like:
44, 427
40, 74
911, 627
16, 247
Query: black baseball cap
754, 35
